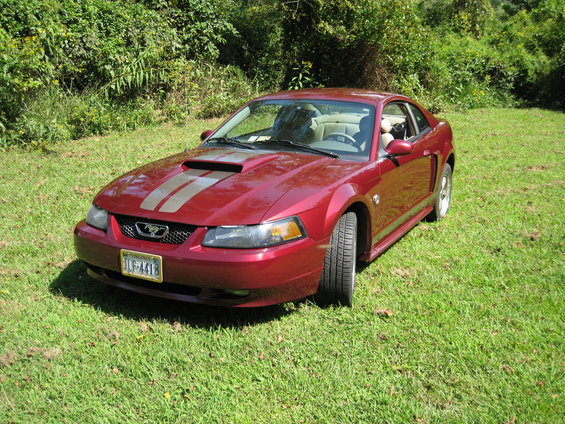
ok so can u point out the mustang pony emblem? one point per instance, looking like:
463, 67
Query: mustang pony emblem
156, 231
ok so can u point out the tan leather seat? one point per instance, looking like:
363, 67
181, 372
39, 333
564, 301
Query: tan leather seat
326, 125
386, 136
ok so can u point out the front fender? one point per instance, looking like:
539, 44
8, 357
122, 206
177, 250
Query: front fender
345, 196
321, 210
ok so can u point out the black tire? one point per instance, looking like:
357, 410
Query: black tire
443, 198
338, 276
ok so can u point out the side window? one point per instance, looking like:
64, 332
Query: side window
421, 120
397, 115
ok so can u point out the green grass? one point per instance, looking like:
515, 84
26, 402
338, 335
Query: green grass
475, 335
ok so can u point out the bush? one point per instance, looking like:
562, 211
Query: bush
258, 44
41, 122
468, 73
466, 53
119, 62
73, 48
54, 116
202, 26
25, 72
113, 63
533, 36
204, 90
92, 114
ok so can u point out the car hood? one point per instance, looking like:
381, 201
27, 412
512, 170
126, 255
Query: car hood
214, 186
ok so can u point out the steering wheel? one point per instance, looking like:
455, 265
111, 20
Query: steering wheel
399, 129
345, 138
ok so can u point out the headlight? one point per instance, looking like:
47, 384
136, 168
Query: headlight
97, 218
255, 236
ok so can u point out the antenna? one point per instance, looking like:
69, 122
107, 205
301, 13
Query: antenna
186, 108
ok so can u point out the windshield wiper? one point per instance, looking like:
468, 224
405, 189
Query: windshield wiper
231, 142
299, 145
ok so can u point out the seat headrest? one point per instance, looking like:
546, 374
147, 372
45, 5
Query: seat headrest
294, 114
386, 126
365, 123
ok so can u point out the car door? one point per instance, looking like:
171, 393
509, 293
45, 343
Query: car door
405, 181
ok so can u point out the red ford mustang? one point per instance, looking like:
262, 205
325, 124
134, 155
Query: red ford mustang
278, 203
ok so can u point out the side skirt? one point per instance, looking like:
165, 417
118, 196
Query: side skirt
384, 243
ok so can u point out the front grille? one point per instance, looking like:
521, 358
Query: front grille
178, 233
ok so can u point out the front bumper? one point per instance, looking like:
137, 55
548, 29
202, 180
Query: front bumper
193, 273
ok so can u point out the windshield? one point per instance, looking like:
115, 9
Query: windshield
339, 128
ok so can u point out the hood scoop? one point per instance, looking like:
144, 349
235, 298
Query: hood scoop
214, 166
232, 161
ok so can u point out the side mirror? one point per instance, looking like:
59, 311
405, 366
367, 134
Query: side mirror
206, 134
399, 148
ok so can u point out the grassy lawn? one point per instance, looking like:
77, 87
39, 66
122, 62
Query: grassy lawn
474, 332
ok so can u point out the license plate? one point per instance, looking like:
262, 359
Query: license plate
142, 265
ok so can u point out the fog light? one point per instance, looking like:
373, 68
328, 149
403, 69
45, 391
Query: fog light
235, 292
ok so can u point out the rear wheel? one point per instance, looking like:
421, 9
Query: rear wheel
338, 277
443, 199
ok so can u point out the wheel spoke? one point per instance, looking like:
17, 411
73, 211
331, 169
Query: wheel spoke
445, 194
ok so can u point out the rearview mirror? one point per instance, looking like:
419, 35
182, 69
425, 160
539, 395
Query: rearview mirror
206, 134
399, 148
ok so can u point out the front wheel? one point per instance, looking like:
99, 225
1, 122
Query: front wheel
338, 276
443, 199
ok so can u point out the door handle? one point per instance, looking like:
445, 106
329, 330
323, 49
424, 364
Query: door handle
427, 152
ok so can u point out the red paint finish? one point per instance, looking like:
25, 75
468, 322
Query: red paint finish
230, 186
239, 199
280, 271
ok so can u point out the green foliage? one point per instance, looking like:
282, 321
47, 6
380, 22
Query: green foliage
444, 52
24, 72
55, 116
303, 77
467, 17
42, 122
348, 43
68, 48
108, 57
533, 37
200, 24
258, 46
204, 90
185, 57
467, 73
92, 114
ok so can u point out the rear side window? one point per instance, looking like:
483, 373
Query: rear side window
421, 120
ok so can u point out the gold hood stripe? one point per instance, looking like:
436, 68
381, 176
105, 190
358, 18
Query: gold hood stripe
238, 157
177, 200
230, 157
169, 186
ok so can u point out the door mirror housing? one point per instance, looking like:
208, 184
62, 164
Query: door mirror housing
206, 134
399, 148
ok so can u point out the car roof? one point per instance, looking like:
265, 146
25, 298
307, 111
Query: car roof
349, 94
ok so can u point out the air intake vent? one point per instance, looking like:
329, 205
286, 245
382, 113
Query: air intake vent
214, 166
